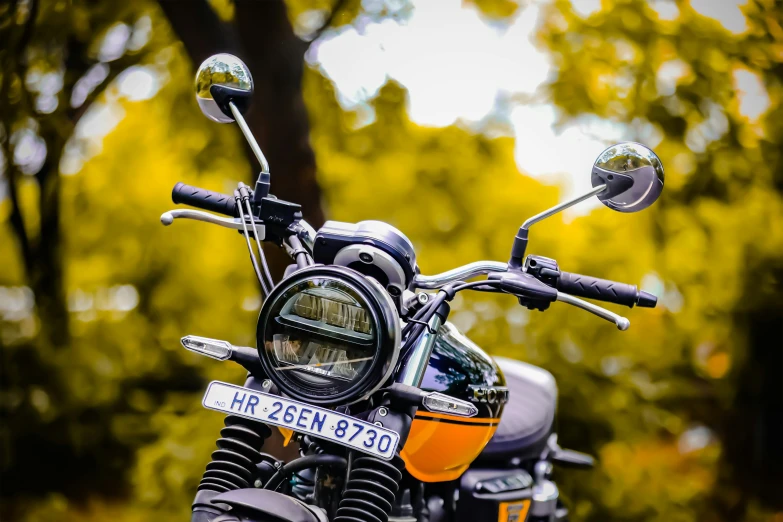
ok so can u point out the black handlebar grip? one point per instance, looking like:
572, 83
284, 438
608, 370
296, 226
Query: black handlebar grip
604, 290
204, 199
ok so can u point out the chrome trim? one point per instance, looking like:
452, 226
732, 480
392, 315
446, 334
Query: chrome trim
462, 273
251, 140
562, 206
167, 218
306, 235
380, 259
545, 492
621, 322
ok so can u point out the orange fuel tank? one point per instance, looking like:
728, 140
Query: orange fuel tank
440, 447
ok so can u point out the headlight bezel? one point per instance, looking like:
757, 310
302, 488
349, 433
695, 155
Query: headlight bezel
385, 324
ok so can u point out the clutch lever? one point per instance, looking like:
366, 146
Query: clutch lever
621, 322
167, 218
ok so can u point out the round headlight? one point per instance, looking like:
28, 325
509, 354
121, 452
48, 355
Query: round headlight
328, 335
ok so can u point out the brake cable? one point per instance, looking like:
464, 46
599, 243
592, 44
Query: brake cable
245, 195
264, 288
420, 320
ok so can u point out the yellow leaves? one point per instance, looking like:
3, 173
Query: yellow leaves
716, 60
682, 165
496, 9
718, 364
631, 19
638, 473
29, 194
223, 8
774, 28
460, 197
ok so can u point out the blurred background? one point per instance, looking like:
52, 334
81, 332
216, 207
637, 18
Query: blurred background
451, 120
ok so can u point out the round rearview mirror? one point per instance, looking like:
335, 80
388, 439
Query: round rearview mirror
227, 78
633, 175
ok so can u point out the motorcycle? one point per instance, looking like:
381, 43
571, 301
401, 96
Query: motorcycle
398, 415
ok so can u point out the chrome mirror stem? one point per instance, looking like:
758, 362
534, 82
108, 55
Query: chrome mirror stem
562, 206
251, 140
520, 241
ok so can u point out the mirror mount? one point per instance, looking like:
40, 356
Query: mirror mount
224, 95
616, 182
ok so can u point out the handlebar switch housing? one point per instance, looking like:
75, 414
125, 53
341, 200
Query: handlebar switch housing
532, 293
545, 269
278, 216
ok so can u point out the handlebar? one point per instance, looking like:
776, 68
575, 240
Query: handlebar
204, 199
462, 273
605, 290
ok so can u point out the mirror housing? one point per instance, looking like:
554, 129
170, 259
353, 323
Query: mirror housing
222, 79
633, 175
224, 87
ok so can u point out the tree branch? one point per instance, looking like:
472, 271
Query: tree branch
12, 64
200, 30
338, 5
29, 26
16, 219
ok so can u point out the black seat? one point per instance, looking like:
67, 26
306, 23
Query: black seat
528, 416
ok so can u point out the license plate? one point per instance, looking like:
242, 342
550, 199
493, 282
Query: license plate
301, 418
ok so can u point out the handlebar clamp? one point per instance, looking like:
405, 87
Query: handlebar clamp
544, 269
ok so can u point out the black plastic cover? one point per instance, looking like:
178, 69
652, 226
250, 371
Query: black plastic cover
336, 235
266, 505
604, 290
616, 182
223, 95
525, 285
204, 199
483, 491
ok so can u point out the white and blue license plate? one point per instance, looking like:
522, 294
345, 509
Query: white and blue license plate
301, 418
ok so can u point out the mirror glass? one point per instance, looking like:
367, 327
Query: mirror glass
220, 69
634, 171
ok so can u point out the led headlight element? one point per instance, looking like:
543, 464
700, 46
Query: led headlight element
328, 335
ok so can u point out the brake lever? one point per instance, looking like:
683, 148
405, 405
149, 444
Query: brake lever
621, 322
167, 218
